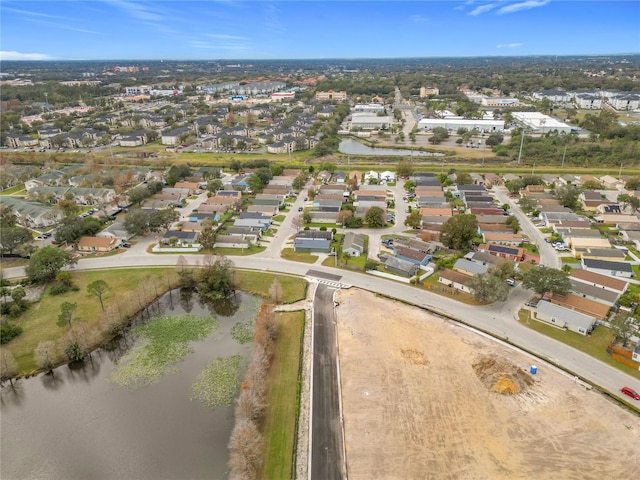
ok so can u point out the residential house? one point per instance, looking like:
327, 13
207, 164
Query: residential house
579, 303
353, 244
604, 267
31, 214
594, 293
399, 266
98, 244
456, 280
182, 238
236, 241
503, 251
469, 267
605, 282
321, 245
564, 318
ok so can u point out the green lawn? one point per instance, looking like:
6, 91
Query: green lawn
291, 254
14, 190
566, 260
129, 288
281, 416
258, 283
594, 345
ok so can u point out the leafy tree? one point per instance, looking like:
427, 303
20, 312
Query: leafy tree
633, 183
409, 186
458, 231
214, 185
404, 169
626, 199
591, 185
139, 194
514, 223
375, 217
255, 183
299, 182
136, 222
177, 173
215, 279
8, 366
414, 219
208, 235
162, 219
45, 355
568, 195
98, 288
464, 178
67, 309
494, 139
46, 263
9, 331
546, 279
503, 268
12, 237
527, 204
71, 229
487, 287
623, 326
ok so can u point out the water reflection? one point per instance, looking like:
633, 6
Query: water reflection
350, 146
156, 432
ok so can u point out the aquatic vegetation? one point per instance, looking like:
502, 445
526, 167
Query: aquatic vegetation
217, 385
242, 332
164, 342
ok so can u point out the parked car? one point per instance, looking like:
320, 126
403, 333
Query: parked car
631, 392
511, 281
126, 245
300, 209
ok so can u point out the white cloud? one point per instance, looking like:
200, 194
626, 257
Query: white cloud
482, 9
137, 10
526, 5
509, 45
7, 55
418, 18
223, 36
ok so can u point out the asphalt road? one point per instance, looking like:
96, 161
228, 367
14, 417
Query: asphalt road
327, 459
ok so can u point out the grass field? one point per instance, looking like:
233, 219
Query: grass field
257, 283
18, 189
303, 257
594, 345
39, 321
279, 426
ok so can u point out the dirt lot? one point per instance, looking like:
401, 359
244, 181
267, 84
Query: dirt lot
424, 398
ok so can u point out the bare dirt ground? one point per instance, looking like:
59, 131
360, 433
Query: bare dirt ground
424, 398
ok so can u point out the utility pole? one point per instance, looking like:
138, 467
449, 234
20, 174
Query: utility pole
564, 154
521, 143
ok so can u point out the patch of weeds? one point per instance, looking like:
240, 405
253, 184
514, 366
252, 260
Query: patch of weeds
164, 342
217, 385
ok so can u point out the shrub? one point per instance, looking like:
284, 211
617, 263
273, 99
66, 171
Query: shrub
9, 331
58, 289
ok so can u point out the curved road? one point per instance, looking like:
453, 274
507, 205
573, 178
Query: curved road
499, 318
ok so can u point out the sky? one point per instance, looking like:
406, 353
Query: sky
301, 29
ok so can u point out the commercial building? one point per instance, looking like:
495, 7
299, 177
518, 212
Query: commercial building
454, 124
331, 95
541, 123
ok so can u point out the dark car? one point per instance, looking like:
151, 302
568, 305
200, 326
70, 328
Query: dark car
631, 392
300, 209
126, 245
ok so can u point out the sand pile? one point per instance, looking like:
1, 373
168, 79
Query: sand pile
501, 376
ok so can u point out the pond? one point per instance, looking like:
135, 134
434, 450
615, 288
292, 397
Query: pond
80, 424
353, 147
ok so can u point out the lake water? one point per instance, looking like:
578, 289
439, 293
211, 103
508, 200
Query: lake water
350, 146
77, 424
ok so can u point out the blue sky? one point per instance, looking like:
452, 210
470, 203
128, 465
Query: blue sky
229, 29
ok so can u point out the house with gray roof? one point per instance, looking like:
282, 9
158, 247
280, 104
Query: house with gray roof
399, 266
31, 214
353, 244
564, 318
321, 245
592, 292
606, 267
468, 267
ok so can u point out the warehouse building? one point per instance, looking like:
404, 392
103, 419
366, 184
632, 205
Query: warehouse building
541, 123
453, 124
